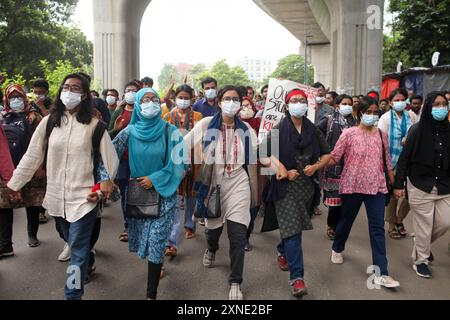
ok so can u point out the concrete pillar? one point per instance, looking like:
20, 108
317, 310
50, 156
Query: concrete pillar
116, 41
356, 46
320, 58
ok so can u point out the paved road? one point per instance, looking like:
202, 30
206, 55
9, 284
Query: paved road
36, 274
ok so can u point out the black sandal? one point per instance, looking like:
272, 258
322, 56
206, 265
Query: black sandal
331, 234
401, 229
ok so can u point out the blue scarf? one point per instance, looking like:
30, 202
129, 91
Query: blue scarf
201, 188
398, 132
147, 148
142, 128
216, 123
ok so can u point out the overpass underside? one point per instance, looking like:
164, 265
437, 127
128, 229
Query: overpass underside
346, 52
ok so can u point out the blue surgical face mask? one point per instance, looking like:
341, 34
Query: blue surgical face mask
150, 110
369, 120
399, 106
211, 94
17, 104
320, 100
439, 114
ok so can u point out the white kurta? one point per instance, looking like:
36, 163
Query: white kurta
235, 185
69, 166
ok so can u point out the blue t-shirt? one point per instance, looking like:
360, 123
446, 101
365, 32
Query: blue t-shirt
205, 108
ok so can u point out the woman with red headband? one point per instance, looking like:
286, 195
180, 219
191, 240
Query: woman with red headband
248, 113
302, 154
19, 123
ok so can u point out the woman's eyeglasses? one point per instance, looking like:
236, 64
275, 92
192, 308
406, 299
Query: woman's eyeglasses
75, 88
148, 100
234, 99
294, 100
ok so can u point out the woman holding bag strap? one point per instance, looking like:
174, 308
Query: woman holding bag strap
229, 148
145, 138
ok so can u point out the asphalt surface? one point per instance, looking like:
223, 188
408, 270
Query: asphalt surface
35, 273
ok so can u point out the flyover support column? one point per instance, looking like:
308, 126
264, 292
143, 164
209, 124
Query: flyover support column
116, 41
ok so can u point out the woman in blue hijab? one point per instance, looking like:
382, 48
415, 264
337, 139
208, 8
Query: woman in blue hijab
145, 139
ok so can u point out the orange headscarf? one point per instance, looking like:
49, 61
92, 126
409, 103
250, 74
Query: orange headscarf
19, 89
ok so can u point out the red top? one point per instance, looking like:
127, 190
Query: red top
126, 118
6, 164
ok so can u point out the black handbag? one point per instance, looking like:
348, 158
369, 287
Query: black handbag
213, 207
144, 203
386, 174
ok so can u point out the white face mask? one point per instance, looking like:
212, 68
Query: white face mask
150, 110
17, 104
211, 94
71, 100
110, 100
345, 110
230, 108
247, 113
183, 104
298, 110
41, 97
130, 97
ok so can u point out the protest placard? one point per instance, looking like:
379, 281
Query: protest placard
275, 107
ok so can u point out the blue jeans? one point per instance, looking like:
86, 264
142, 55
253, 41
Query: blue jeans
291, 248
189, 223
123, 177
79, 235
375, 206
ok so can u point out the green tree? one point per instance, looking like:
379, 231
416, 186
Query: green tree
33, 30
292, 67
421, 27
5, 81
56, 74
168, 72
224, 74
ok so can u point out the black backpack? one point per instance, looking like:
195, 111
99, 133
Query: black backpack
96, 139
18, 132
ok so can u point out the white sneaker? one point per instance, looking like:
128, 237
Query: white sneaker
337, 258
235, 292
386, 281
65, 254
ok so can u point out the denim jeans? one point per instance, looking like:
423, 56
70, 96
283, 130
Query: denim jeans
291, 248
375, 206
79, 235
189, 223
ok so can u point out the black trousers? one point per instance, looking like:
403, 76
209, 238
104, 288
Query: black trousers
251, 226
334, 214
6, 224
237, 235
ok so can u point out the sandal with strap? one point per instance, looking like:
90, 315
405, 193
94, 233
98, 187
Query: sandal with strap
123, 237
393, 234
331, 234
401, 229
